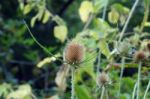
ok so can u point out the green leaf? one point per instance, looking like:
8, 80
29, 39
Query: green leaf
23, 92
104, 48
58, 20
33, 20
85, 9
46, 16
47, 60
99, 4
82, 92
60, 32
27, 9
113, 16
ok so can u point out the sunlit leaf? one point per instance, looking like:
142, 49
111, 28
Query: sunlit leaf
33, 20
147, 24
99, 4
47, 60
27, 9
60, 32
46, 16
4, 89
22, 92
58, 20
104, 48
113, 16
85, 9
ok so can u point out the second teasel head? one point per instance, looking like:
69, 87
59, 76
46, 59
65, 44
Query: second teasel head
103, 79
74, 53
140, 56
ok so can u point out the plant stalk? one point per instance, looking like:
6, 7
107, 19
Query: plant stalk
139, 78
148, 86
72, 83
121, 75
103, 92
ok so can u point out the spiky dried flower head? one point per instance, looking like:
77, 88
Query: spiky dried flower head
74, 53
140, 56
103, 79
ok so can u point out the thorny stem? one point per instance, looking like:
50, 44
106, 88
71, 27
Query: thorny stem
128, 19
134, 91
121, 75
148, 86
72, 83
139, 78
103, 92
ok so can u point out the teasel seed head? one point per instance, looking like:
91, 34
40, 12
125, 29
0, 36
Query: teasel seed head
140, 56
103, 79
74, 53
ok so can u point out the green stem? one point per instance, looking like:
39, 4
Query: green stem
38, 43
148, 86
139, 78
121, 75
72, 83
103, 92
128, 19
134, 91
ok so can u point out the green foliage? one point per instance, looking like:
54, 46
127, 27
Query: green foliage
31, 73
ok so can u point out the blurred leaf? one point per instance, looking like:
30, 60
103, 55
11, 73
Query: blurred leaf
99, 4
23, 92
61, 77
27, 9
104, 48
120, 8
102, 26
58, 20
113, 16
82, 92
46, 17
60, 32
4, 89
86, 8
147, 24
54, 97
47, 60
33, 20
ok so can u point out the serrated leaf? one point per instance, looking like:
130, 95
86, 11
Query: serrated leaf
104, 48
27, 9
60, 32
113, 16
85, 9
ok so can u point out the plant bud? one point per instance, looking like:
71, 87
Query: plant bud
103, 79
